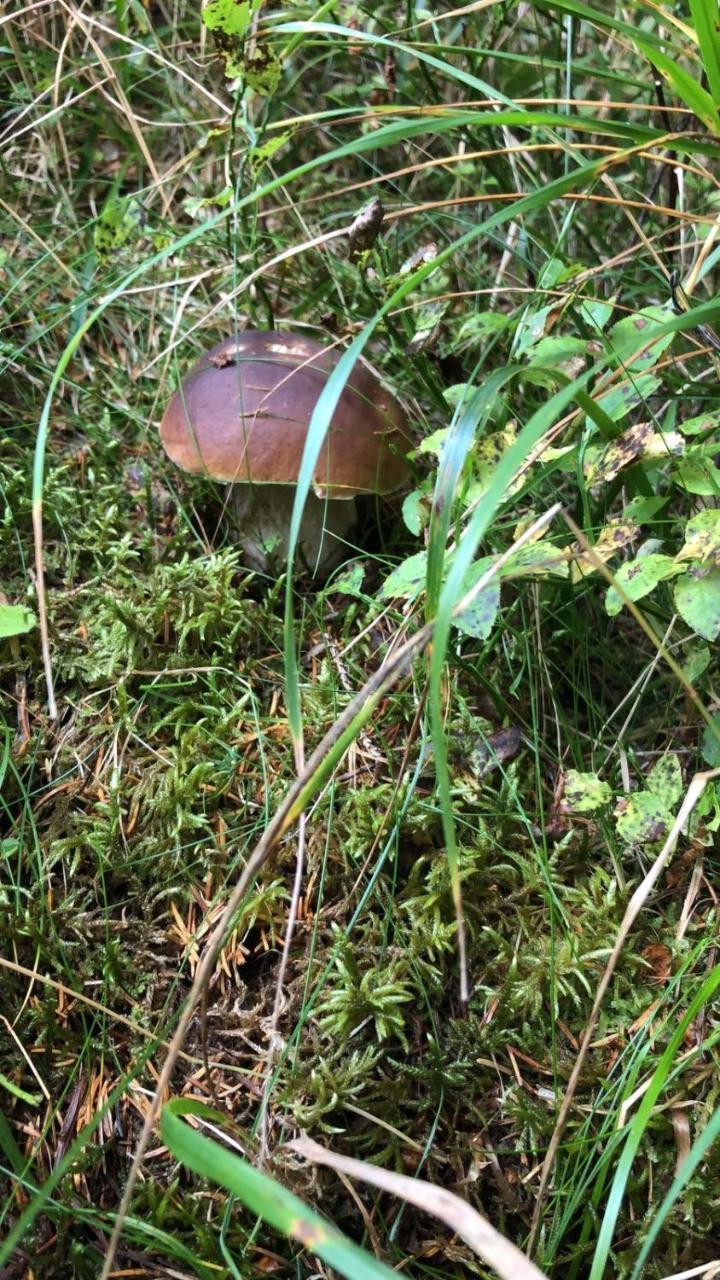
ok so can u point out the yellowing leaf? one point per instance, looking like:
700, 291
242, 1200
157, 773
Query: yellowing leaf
702, 537
613, 538
584, 792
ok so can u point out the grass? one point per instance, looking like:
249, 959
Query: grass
540, 192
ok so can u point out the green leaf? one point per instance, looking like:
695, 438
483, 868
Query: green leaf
407, 579
711, 743
15, 620
596, 313
539, 559
618, 401
262, 1195
121, 222
639, 577
584, 792
260, 155
696, 662
557, 351
483, 325
701, 423
642, 818
229, 17
350, 582
699, 476
665, 780
263, 70
633, 331
702, 536
416, 511
697, 600
531, 329
479, 618
643, 510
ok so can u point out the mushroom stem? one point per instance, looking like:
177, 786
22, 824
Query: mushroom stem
264, 512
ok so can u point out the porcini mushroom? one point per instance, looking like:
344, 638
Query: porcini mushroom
241, 416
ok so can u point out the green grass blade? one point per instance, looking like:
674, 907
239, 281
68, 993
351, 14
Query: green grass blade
706, 21
263, 1195
699, 1149
640, 1123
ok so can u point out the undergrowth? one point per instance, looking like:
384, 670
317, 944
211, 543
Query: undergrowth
548, 208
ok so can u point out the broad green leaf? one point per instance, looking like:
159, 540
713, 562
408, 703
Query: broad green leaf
540, 559
263, 1195
699, 476
584, 792
557, 352
15, 620
407, 579
416, 510
702, 536
711, 743
229, 17
260, 155
643, 510
596, 313
531, 329
701, 423
263, 70
633, 331
482, 325
665, 780
121, 222
639, 577
696, 662
435, 442
642, 818
618, 401
479, 618
697, 600
350, 582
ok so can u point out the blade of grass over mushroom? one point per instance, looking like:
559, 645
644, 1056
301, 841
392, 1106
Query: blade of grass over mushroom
261, 1194
639, 1125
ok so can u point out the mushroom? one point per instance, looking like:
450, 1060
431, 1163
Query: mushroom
242, 415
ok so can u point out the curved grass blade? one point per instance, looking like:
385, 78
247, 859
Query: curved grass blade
705, 21
699, 1149
263, 1195
640, 1123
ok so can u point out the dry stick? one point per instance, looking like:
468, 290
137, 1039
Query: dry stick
336, 740
635, 905
503, 1256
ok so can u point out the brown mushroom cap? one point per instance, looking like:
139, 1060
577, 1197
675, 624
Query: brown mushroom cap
242, 415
